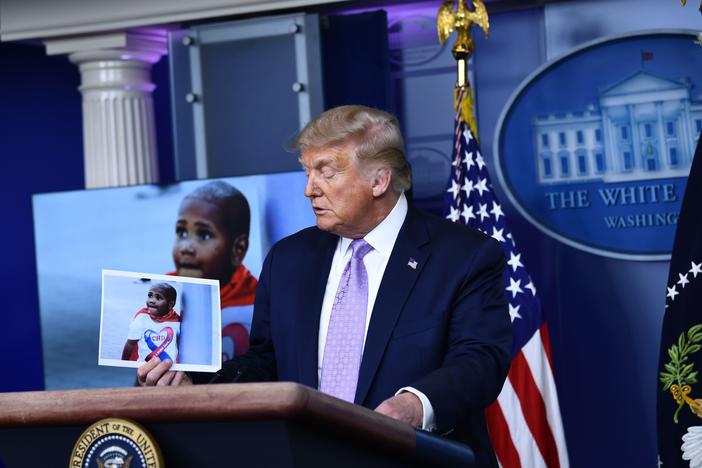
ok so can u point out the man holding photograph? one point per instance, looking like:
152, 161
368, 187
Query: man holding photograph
380, 304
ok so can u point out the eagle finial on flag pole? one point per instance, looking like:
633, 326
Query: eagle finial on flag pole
461, 20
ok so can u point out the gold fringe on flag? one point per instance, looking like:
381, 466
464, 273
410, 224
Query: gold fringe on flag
465, 94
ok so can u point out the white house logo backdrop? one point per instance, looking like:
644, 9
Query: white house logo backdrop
596, 146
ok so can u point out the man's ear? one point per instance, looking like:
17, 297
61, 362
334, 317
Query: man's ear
239, 248
382, 178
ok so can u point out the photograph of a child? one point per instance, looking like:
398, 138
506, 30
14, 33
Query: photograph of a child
170, 317
143, 341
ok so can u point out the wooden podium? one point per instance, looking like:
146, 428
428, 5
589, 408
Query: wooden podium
254, 424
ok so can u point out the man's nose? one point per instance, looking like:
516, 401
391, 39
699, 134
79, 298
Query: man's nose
311, 187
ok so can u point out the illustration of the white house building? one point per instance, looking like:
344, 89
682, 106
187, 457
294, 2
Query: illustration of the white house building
644, 127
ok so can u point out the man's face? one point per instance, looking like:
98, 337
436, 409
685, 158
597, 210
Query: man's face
202, 247
157, 303
340, 194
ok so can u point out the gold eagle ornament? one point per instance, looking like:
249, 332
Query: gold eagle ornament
460, 21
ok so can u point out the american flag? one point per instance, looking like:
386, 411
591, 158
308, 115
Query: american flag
525, 422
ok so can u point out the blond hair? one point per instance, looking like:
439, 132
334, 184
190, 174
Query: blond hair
375, 135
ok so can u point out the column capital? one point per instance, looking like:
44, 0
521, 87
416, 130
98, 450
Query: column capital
119, 136
144, 45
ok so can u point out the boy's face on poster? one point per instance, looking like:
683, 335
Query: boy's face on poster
157, 303
202, 247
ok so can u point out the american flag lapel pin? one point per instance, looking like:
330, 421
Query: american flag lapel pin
412, 263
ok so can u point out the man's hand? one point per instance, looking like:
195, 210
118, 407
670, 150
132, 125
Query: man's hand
405, 407
157, 372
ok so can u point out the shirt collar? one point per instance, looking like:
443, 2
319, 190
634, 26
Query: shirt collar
382, 237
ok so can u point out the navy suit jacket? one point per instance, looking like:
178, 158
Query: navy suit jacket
442, 327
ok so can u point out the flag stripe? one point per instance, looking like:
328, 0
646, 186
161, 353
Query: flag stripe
535, 352
543, 330
533, 408
507, 454
529, 454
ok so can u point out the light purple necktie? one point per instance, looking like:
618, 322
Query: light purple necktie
347, 326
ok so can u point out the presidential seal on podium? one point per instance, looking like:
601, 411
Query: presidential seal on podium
116, 443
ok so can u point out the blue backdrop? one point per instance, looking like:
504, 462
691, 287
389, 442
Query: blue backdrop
604, 314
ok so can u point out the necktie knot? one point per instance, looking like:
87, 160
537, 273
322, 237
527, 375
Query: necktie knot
360, 248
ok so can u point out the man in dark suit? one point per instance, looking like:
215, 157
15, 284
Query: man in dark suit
379, 304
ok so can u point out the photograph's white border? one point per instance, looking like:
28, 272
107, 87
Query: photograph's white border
508, 107
216, 332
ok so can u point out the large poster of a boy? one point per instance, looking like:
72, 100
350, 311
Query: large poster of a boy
217, 229
211, 241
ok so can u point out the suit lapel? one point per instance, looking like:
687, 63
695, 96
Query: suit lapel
312, 287
412, 245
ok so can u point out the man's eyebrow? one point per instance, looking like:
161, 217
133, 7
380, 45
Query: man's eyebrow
323, 161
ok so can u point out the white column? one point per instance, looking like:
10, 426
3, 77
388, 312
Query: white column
119, 133
635, 139
686, 122
611, 150
663, 146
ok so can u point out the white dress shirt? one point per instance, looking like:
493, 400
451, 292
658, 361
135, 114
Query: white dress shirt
382, 238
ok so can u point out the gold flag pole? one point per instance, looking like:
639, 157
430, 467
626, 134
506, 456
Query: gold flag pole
461, 20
